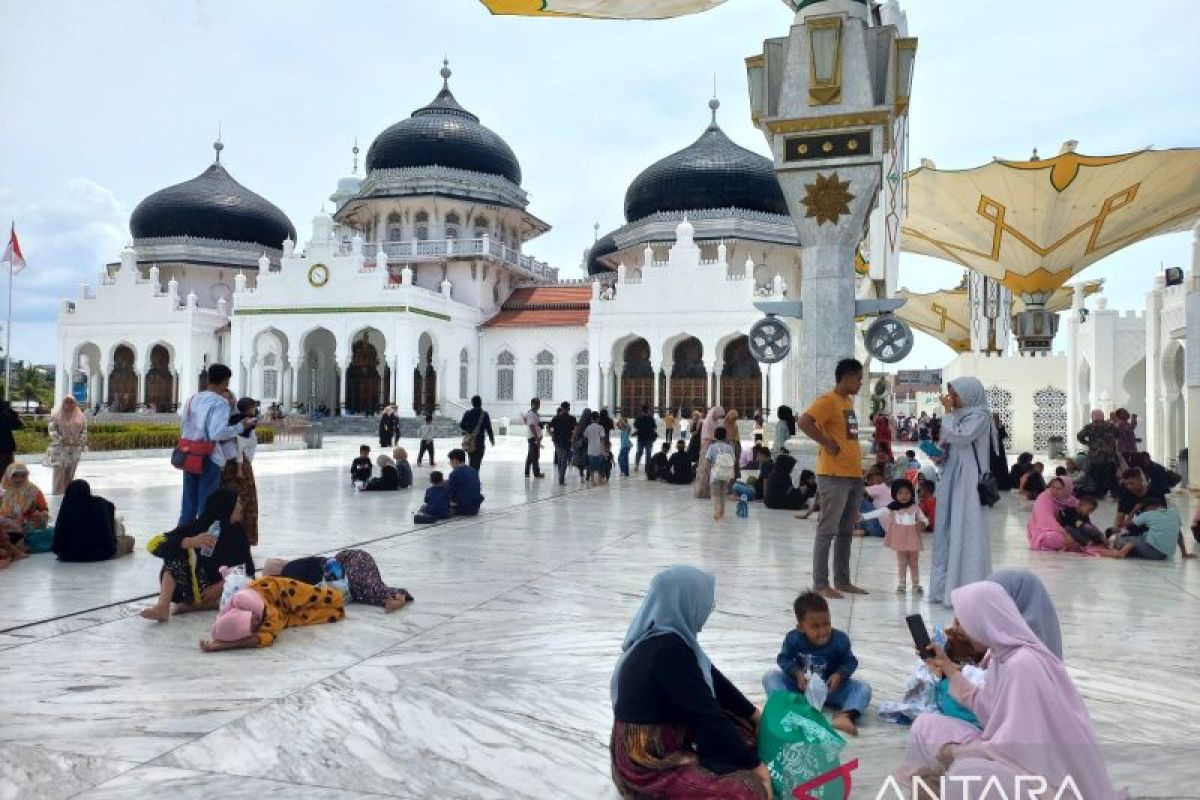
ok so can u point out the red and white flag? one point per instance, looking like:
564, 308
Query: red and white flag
12, 253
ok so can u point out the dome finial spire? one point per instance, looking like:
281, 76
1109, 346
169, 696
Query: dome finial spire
445, 72
217, 145
354, 150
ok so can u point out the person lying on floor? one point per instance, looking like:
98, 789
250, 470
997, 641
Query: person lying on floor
257, 614
194, 553
352, 572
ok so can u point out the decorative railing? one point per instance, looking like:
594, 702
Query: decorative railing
484, 247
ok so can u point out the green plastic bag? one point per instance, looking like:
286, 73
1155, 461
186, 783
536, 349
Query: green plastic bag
951, 707
798, 744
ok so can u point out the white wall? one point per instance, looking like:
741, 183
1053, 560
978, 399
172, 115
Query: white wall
1021, 375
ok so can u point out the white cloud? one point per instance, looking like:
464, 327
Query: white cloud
65, 239
131, 95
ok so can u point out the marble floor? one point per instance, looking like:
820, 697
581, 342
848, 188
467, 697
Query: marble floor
494, 684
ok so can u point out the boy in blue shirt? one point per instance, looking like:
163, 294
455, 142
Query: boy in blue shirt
1163, 531
437, 501
815, 645
463, 485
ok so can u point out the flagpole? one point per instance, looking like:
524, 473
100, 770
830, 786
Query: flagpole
8, 339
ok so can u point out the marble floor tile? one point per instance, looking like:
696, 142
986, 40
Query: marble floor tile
494, 684
29, 772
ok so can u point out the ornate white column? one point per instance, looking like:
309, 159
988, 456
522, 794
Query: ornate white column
708, 381
717, 369
404, 383
1156, 408
667, 368
657, 367
598, 385
381, 368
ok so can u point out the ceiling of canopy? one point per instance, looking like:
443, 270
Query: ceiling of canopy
946, 315
1032, 225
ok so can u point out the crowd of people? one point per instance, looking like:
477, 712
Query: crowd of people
682, 729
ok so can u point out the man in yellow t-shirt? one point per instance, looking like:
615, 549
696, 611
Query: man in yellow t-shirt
831, 422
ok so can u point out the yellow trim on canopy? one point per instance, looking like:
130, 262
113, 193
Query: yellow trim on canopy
600, 9
1064, 167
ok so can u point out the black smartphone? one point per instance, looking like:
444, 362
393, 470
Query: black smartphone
920, 634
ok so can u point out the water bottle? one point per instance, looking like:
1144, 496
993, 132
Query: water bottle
215, 530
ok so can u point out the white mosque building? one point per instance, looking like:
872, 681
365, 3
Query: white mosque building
419, 291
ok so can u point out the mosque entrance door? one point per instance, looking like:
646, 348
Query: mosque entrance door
122, 382
363, 384
160, 383
637, 378
741, 379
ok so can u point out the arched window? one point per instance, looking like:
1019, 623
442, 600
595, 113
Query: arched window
581, 375
544, 376
505, 363
481, 227
270, 377
452, 223
464, 361
421, 222
394, 232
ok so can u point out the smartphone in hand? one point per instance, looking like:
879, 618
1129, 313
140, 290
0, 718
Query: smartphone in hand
920, 635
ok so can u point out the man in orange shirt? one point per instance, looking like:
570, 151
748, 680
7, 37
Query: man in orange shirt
831, 422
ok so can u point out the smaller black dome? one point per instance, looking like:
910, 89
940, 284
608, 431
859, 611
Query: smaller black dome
444, 134
603, 246
710, 173
211, 206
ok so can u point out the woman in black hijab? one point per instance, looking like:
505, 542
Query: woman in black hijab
194, 553
780, 493
86, 527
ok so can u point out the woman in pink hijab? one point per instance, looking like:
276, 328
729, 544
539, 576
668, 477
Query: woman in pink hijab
708, 435
1044, 530
68, 439
1035, 724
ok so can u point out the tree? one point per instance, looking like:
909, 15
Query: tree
30, 383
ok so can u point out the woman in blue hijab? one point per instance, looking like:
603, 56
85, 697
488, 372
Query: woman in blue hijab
681, 729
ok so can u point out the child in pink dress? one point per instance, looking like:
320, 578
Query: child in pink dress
903, 523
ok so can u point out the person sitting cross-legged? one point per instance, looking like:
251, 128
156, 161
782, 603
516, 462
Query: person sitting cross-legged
466, 495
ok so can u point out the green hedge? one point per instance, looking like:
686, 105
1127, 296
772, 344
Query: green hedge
33, 438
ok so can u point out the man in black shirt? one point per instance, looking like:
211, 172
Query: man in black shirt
477, 424
646, 431
561, 427
680, 464
1134, 489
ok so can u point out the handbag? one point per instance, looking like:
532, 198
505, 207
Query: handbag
989, 489
468, 440
189, 454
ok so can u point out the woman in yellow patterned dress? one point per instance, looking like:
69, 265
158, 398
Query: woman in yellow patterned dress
257, 614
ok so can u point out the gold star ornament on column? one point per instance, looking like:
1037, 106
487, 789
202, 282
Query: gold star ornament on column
827, 199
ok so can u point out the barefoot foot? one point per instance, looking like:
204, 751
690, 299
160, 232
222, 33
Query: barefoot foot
394, 603
830, 594
156, 613
846, 725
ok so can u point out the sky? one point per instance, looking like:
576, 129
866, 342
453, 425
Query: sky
105, 103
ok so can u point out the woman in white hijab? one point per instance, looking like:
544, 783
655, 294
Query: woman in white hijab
962, 547
68, 440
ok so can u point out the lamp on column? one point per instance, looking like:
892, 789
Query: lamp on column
825, 47
906, 55
1173, 275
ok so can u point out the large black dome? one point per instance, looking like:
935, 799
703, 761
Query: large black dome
711, 173
211, 206
444, 134
604, 246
